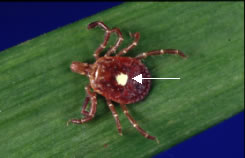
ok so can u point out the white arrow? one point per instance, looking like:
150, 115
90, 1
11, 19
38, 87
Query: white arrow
139, 78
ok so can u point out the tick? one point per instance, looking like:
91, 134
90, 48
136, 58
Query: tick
111, 77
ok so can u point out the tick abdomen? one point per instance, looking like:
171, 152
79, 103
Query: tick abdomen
112, 78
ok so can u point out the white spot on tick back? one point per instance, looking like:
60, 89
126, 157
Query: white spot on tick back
122, 79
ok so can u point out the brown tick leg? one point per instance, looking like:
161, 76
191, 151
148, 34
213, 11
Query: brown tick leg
136, 37
84, 111
106, 39
91, 113
133, 122
115, 115
119, 41
159, 52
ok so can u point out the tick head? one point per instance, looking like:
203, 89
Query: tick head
80, 68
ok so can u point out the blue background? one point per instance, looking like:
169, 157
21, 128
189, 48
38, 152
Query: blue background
23, 21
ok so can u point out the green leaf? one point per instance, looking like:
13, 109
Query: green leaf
39, 93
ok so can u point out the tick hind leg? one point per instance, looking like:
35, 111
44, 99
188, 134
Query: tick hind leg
108, 32
115, 115
136, 37
88, 115
134, 123
159, 52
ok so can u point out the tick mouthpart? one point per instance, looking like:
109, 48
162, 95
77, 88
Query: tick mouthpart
80, 68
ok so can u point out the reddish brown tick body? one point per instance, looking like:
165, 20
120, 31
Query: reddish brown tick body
105, 83
111, 77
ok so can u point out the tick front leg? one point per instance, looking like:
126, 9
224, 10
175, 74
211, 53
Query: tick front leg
85, 104
115, 115
89, 115
134, 123
159, 52
136, 37
119, 41
106, 39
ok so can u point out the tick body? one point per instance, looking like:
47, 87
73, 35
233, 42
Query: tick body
111, 77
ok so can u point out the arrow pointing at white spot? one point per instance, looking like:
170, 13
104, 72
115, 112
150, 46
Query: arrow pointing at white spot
139, 78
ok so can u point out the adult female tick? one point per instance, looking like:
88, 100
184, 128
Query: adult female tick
111, 77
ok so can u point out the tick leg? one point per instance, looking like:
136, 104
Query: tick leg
84, 111
133, 122
89, 115
119, 41
159, 52
106, 39
115, 115
136, 37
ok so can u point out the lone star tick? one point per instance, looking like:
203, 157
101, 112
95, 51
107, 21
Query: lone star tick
111, 77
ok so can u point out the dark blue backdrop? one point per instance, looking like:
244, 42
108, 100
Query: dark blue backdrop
23, 21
